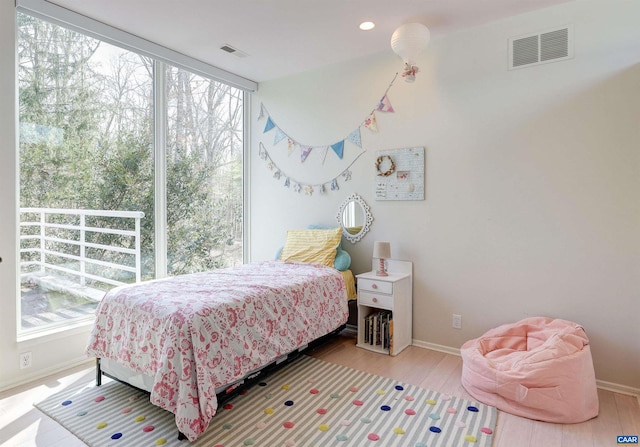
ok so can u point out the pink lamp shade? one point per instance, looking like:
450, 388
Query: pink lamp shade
381, 251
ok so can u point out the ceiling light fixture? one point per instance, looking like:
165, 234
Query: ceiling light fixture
366, 26
407, 42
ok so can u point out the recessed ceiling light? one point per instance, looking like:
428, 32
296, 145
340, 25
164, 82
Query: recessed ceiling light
366, 26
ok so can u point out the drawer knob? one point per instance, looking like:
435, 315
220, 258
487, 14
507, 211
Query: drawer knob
375, 300
374, 286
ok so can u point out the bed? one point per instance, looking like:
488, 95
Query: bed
191, 339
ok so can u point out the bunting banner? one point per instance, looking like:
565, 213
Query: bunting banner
324, 156
338, 147
305, 153
270, 125
371, 123
308, 188
280, 135
354, 137
385, 105
291, 145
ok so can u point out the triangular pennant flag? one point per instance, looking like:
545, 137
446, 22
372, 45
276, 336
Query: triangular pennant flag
371, 123
280, 135
385, 105
354, 137
287, 182
290, 145
324, 155
338, 148
270, 125
305, 153
334, 185
261, 115
262, 152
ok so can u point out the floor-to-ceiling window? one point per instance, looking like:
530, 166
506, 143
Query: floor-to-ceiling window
204, 173
89, 212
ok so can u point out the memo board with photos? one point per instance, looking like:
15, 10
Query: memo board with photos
399, 174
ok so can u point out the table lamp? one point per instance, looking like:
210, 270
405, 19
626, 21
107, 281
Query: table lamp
381, 251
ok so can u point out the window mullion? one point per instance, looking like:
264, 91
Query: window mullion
160, 165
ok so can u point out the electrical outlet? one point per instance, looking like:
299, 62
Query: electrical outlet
457, 321
25, 360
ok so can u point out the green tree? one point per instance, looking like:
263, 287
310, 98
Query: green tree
86, 141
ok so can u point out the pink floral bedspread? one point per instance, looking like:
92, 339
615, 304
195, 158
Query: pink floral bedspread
195, 333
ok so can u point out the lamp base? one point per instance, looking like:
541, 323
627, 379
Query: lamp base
382, 271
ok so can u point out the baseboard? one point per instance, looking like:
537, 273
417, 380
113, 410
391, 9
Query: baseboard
44, 372
351, 330
617, 388
608, 386
435, 347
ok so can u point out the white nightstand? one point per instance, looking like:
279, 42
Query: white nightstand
385, 308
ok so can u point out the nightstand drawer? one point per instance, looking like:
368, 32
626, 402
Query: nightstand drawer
375, 300
373, 285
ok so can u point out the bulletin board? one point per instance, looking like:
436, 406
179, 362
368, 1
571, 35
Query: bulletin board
399, 174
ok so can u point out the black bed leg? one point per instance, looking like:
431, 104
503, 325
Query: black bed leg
181, 436
98, 372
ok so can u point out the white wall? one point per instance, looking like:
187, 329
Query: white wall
54, 352
532, 177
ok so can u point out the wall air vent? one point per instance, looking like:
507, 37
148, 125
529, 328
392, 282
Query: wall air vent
231, 50
541, 48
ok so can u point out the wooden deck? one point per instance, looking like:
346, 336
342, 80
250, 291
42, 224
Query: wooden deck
48, 299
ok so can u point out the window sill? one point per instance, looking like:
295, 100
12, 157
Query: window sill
57, 332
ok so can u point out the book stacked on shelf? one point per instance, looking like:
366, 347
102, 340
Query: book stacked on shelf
378, 330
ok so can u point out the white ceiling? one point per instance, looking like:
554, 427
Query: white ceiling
283, 37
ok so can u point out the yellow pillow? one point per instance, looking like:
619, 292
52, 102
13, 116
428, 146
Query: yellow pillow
312, 246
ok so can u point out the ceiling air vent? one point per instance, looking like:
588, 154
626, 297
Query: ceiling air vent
541, 48
231, 50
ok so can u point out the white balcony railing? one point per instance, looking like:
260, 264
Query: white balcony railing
62, 244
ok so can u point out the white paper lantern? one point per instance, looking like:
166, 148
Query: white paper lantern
409, 40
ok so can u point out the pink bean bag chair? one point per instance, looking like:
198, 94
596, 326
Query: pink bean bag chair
538, 368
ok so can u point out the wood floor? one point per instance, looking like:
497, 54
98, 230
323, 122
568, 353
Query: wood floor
22, 425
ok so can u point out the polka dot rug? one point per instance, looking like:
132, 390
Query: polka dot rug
308, 403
